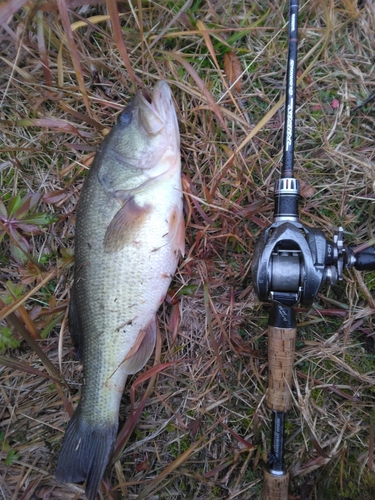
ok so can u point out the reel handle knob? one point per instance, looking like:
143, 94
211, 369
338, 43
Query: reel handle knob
365, 259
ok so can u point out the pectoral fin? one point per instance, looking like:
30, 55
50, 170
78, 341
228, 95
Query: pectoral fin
124, 225
141, 351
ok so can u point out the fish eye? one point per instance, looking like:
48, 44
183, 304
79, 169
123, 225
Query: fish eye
125, 118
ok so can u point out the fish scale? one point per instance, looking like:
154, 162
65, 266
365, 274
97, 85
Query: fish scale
129, 235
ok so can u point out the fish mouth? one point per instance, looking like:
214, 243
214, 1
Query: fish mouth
155, 109
147, 96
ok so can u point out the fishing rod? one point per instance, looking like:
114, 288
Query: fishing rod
290, 264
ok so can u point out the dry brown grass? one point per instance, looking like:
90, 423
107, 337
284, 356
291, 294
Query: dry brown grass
204, 431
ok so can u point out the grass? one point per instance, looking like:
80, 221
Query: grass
204, 431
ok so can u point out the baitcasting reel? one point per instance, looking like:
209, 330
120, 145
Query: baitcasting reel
292, 261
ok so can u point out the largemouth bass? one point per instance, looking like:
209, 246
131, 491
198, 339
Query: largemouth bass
129, 235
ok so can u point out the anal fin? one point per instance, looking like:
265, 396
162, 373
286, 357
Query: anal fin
142, 349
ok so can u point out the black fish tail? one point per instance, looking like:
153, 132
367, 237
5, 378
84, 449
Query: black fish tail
85, 453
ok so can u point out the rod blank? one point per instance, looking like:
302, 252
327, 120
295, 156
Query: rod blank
290, 98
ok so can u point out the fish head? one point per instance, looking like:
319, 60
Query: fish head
147, 131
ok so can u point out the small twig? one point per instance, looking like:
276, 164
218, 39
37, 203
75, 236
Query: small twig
365, 290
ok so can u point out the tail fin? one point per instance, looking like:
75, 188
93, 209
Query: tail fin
85, 453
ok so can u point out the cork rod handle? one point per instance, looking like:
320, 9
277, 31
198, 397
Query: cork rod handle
281, 349
275, 487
